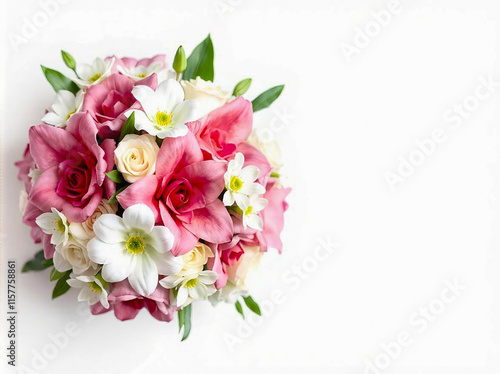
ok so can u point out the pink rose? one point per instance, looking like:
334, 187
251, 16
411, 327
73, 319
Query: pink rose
184, 194
107, 102
126, 303
72, 166
223, 129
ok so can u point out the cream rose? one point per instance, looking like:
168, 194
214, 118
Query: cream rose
85, 230
246, 264
263, 140
75, 253
209, 95
135, 156
195, 259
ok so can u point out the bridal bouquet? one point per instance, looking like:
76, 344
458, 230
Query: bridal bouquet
149, 188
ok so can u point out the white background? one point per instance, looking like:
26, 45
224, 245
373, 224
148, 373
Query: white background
343, 125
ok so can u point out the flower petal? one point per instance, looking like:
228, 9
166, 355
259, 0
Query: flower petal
144, 275
110, 228
139, 216
162, 239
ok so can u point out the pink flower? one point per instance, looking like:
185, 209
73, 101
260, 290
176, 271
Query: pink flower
72, 166
223, 129
126, 303
107, 102
273, 217
184, 194
129, 62
25, 165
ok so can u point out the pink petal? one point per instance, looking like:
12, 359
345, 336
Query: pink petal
141, 192
212, 223
207, 177
175, 153
184, 240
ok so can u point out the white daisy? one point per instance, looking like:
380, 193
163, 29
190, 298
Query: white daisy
64, 106
196, 286
56, 225
240, 182
93, 289
133, 247
95, 73
251, 211
165, 111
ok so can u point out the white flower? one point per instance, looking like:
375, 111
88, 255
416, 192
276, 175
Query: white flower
92, 289
34, 174
239, 182
89, 75
195, 259
209, 95
133, 247
64, 106
165, 111
263, 140
251, 211
136, 73
135, 156
195, 286
85, 230
54, 224
74, 256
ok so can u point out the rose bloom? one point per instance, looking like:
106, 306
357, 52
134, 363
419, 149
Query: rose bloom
135, 156
74, 256
85, 230
209, 95
107, 102
195, 259
72, 166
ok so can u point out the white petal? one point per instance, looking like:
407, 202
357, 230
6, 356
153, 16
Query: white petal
235, 165
254, 221
161, 239
144, 275
166, 263
86, 294
170, 93
47, 222
228, 198
258, 203
211, 289
103, 298
142, 122
139, 216
104, 253
241, 200
60, 263
53, 119
250, 173
182, 296
75, 283
186, 111
148, 99
119, 269
171, 281
252, 189
173, 132
198, 292
208, 277
110, 228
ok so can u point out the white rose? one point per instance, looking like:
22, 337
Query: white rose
75, 253
135, 156
195, 259
263, 140
85, 230
209, 95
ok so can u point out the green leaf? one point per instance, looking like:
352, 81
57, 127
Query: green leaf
37, 263
59, 81
252, 305
113, 199
61, 286
68, 60
180, 315
242, 87
201, 62
275, 175
266, 98
115, 176
239, 308
128, 127
180, 62
186, 322
55, 275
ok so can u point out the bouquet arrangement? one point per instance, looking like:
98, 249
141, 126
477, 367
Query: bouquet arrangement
149, 188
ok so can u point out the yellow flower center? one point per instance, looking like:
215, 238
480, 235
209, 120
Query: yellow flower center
163, 119
135, 245
60, 225
95, 287
235, 183
95, 77
141, 75
248, 210
70, 114
191, 283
